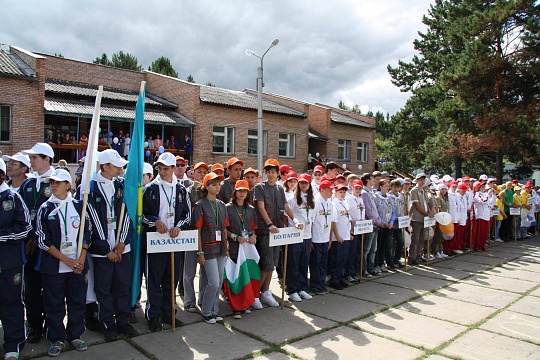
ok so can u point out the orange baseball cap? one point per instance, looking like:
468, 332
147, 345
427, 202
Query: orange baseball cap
217, 166
234, 160
271, 163
179, 158
200, 164
241, 185
211, 176
250, 170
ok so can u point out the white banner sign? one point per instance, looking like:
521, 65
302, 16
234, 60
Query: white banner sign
496, 212
404, 221
515, 211
288, 235
530, 201
188, 240
363, 227
429, 222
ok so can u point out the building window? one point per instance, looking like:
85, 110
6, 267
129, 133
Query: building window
5, 123
253, 142
286, 145
344, 149
223, 140
362, 152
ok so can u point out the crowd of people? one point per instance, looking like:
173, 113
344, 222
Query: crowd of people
41, 226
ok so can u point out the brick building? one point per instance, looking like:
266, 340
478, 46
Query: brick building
40, 94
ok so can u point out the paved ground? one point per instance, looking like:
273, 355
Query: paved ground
474, 306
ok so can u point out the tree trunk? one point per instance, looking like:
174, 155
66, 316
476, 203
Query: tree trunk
499, 166
457, 165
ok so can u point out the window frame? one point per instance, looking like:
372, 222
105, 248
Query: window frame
256, 138
225, 134
291, 145
364, 147
10, 124
344, 146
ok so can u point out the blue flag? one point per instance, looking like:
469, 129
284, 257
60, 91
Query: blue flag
133, 191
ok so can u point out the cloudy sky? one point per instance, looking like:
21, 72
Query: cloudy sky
329, 50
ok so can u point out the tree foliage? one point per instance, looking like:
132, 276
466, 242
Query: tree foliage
163, 66
190, 79
119, 60
474, 83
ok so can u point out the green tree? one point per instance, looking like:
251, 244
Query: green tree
103, 60
190, 79
475, 80
163, 66
208, 83
125, 61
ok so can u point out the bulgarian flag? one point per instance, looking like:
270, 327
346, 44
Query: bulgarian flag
242, 281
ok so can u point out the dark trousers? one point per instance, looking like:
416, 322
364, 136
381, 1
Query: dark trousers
181, 273
59, 290
279, 265
111, 284
158, 283
397, 234
12, 309
339, 254
384, 247
353, 260
33, 297
297, 266
317, 265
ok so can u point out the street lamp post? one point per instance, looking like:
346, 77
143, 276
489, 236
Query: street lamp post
260, 85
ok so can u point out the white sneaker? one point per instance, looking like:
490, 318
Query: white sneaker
444, 255
439, 256
257, 304
328, 278
268, 298
383, 268
459, 252
499, 240
377, 270
295, 297
304, 295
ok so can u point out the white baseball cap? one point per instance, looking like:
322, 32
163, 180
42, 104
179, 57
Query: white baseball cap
111, 156
25, 159
40, 149
148, 169
59, 175
167, 159
3, 166
483, 177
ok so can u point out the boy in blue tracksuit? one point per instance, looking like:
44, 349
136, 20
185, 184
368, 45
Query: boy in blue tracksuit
111, 260
166, 209
14, 228
63, 269
35, 191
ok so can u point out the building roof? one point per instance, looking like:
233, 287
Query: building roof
80, 89
73, 108
315, 135
241, 99
349, 120
12, 65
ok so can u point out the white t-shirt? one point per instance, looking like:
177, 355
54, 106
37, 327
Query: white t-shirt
343, 219
356, 204
324, 215
303, 213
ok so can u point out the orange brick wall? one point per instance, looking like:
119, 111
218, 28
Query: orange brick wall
355, 134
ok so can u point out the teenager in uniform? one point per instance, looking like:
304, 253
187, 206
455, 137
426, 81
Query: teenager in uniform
35, 191
17, 167
324, 215
234, 167
250, 175
241, 229
484, 200
419, 209
357, 213
341, 236
14, 228
318, 173
166, 209
63, 271
442, 206
271, 207
370, 239
200, 170
303, 205
184, 180
111, 260
395, 199
210, 219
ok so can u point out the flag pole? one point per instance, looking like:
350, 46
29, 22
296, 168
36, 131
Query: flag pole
90, 153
